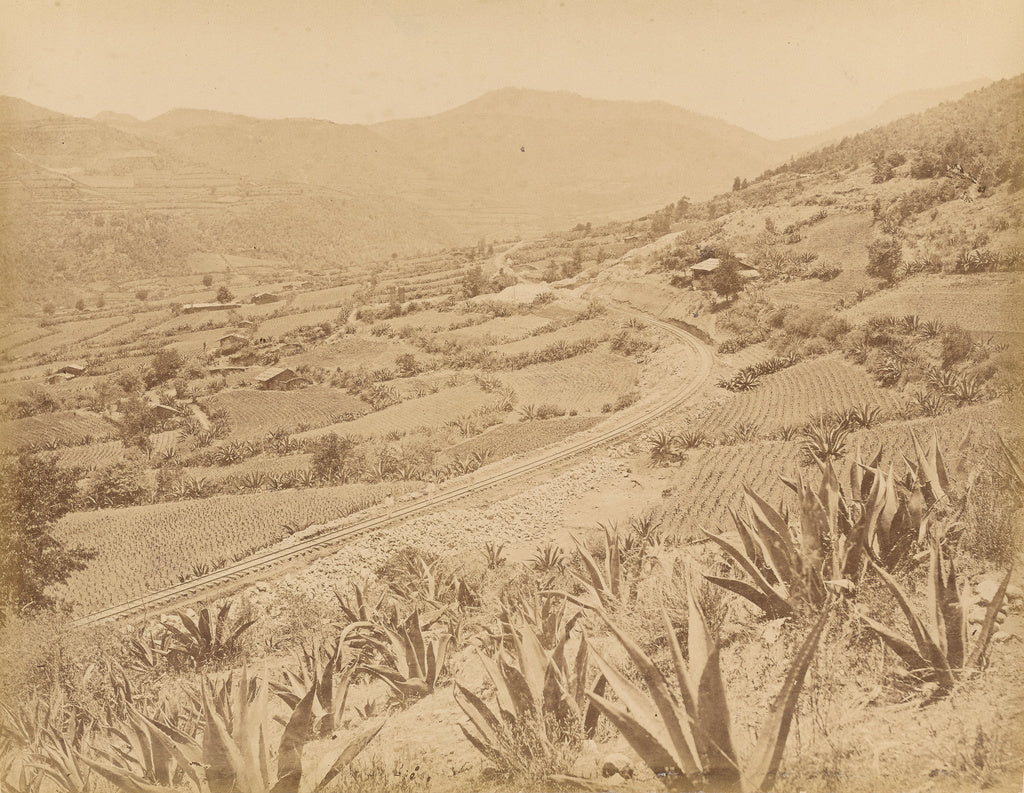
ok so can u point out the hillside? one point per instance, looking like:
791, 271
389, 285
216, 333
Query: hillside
560, 157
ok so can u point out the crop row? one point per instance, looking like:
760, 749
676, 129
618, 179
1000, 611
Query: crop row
141, 549
797, 394
254, 413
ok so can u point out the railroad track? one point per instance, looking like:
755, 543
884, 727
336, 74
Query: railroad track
261, 563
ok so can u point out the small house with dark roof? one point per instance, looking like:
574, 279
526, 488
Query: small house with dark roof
73, 369
162, 412
279, 379
232, 342
265, 297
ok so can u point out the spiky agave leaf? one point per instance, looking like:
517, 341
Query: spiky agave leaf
688, 744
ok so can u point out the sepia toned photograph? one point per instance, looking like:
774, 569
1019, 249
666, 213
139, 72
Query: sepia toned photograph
511, 396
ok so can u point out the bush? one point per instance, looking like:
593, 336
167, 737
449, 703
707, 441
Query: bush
885, 255
956, 346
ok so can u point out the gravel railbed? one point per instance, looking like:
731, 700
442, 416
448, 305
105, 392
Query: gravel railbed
524, 519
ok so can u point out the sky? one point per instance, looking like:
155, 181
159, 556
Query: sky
780, 68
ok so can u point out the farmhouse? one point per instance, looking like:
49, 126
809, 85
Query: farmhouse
232, 342
73, 369
279, 379
194, 308
265, 297
160, 411
703, 269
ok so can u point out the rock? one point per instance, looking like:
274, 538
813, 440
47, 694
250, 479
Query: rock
1014, 593
987, 590
1001, 637
617, 763
976, 616
614, 780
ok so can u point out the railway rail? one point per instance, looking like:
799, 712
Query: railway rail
262, 563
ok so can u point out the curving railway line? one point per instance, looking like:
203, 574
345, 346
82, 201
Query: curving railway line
262, 563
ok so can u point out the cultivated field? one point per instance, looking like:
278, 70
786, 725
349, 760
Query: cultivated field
252, 413
799, 394
196, 532
585, 383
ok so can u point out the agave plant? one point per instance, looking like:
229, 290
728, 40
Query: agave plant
233, 756
746, 431
494, 555
253, 481
825, 441
930, 404
412, 663
939, 649
541, 698
548, 558
683, 732
692, 439
791, 573
966, 389
205, 640
664, 447
330, 671
865, 416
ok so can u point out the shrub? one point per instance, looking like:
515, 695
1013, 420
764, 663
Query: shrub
956, 345
885, 255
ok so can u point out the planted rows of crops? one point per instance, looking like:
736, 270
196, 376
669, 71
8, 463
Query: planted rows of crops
585, 383
710, 481
64, 428
426, 411
253, 414
570, 334
150, 546
798, 393
507, 440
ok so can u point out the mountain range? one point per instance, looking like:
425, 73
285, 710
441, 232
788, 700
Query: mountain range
513, 162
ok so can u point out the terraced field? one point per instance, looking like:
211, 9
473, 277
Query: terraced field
498, 330
799, 393
598, 328
192, 532
508, 440
352, 352
66, 427
92, 455
584, 383
253, 414
262, 464
983, 302
432, 410
67, 333
710, 481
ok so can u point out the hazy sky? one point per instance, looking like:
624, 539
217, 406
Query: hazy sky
779, 68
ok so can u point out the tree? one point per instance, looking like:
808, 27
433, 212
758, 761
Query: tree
473, 282
117, 485
726, 280
80, 304
333, 458
207, 280
138, 423
34, 494
141, 294
737, 184
224, 295
885, 255
165, 366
